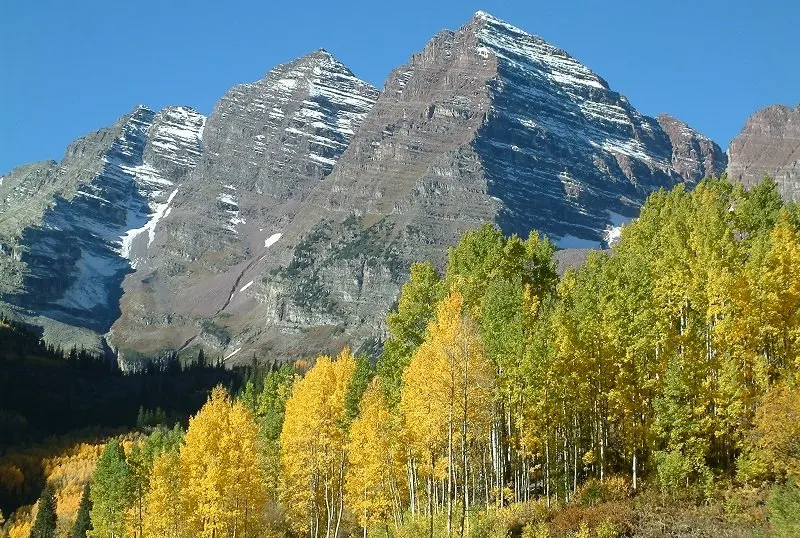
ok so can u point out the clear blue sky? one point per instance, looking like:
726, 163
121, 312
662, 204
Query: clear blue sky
70, 67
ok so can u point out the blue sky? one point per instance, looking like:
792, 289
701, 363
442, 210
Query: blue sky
68, 68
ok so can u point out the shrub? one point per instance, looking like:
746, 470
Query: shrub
618, 515
606, 529
784, 509
594, 491
678, 472
751, 469
583, 531
539, 530
514, 517
486, 524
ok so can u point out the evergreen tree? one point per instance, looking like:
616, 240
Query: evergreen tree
45, 524
83, 521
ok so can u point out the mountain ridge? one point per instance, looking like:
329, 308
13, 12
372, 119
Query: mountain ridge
290, 225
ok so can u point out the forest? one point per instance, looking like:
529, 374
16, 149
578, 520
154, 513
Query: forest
651, 392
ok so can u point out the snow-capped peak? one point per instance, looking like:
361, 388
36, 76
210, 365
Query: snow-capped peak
488, 17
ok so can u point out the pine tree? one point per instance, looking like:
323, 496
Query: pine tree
83, 521
45, 524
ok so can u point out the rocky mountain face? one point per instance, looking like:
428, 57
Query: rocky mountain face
291, 227
486, 123
71, 231
267, 146
769, 145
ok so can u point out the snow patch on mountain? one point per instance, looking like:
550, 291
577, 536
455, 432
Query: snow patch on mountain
337, 102
88, 289
271, 240
159, 211
229, 204
613, 232
234, 352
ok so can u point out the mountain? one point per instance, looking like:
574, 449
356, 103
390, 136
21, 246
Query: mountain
769, 144
487, 123
293, 228
267, 145
71, 231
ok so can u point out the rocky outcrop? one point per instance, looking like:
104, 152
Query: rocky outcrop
694, 156
769, 145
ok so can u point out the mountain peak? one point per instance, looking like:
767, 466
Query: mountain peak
320, 54
487, 18
483, 15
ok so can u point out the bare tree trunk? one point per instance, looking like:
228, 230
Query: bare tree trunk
340, 492
327, 511
565, 455
412, 486
575, 457
547, 469
430, 495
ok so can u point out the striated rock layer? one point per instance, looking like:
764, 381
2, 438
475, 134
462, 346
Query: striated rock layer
769, 145
267, 145
486, 123
286, 223
71, 231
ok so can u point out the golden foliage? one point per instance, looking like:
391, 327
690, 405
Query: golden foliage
312, 440
448, 381
222, 482
163, 514
377, 463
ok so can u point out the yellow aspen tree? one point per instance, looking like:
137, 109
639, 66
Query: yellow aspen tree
163, 510
447, 396
223, 484
313, 447
377, 464
781, 294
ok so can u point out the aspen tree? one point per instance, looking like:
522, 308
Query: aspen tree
313, 447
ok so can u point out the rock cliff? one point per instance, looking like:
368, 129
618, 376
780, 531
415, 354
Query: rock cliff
769, 144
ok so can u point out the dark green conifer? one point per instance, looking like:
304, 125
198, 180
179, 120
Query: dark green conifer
45, 524
83, 521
